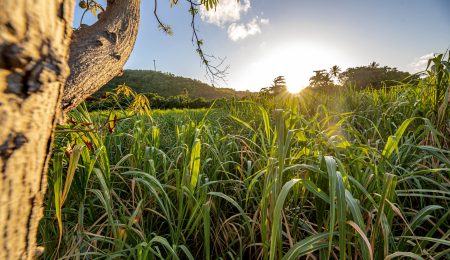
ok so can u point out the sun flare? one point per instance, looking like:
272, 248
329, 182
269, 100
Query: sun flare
295, 61
294, 88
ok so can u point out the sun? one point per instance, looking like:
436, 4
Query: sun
296, 61
294, 87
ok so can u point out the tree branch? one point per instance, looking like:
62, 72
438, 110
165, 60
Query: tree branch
214, 72
165, 27
99, 52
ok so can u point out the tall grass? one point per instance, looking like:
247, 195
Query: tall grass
346, 175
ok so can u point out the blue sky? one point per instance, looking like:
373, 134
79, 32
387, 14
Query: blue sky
262, 39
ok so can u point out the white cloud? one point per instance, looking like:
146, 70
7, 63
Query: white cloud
420, 63
230, 11
226, 11
241, 31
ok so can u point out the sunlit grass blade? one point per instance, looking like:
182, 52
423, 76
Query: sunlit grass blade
330, 166
194, 163
358, 225
239, 208
308, 245
392, 142
162, 241
207, 230
403, 254
73, 164
276, 231
367, 250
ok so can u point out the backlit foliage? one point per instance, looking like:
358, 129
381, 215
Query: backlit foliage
342, 175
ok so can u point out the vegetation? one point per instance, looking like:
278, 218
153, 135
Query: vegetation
342, 175
167, 84
163, 90
166, 91
277, 88
111, 101
371, 76
321, 80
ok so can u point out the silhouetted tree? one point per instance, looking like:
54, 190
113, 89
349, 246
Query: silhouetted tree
374, 65
278, 87
372, 75
334, 72
321, 79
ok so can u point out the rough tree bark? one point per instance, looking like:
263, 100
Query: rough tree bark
35, 37
34, 44
98, 52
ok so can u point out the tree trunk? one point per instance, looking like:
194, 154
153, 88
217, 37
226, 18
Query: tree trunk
34, 43
99, 52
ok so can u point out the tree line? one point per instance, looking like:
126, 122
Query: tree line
167, 84
110, 101
361, 77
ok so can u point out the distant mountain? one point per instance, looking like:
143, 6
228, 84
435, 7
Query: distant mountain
167, 84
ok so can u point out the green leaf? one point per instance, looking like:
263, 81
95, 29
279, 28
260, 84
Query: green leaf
277, 213
194, 163
393, 140
307, 245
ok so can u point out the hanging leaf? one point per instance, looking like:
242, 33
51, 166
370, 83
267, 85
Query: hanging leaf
86, 141
112, 121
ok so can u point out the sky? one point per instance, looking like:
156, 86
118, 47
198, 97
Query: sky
263, 39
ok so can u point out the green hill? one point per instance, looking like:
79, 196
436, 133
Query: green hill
167, 84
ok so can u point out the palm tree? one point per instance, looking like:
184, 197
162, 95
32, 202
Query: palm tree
374, 65
335, 71
321, 78
278, 85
